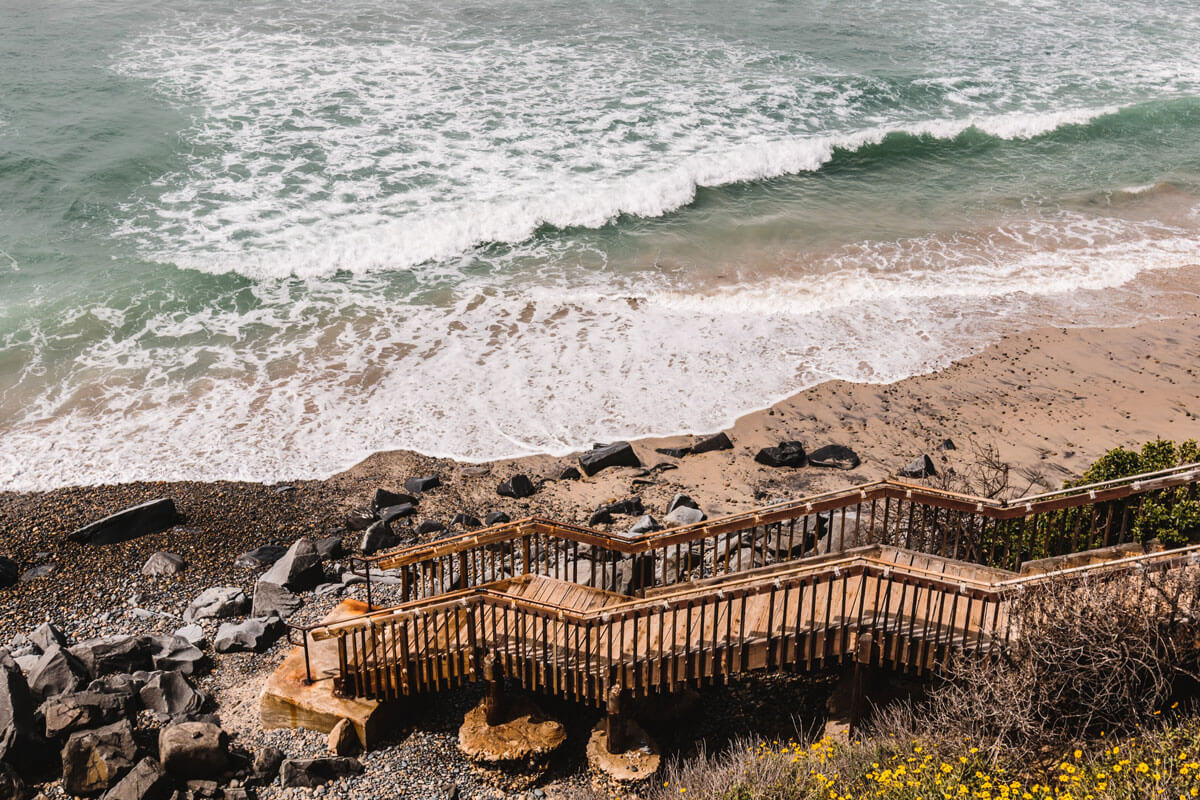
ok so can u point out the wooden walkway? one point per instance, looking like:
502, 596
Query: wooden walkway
866, 576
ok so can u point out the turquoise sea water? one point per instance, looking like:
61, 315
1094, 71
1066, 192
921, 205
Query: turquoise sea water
262, 240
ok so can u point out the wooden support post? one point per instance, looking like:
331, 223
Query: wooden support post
493, 702
614, 722
862, 661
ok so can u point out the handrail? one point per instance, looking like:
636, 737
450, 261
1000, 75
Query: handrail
865, 558
818, 503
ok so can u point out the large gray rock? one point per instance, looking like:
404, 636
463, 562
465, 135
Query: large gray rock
56, 671
194, 750
378, 537
157, 515
787, 454
384, 499
300, 567
253, 635
76, 711
645, 524
168, 694
146, 781
108, 654
162, 563
46, 635
331, 547
684, 515
836, 456
707, 444
261, 556
400, 511
518, 486
216, 603
618, 454
18, 732
176, 653
920, 467
271, 598
193, 634
681, 500
313, 772
94, 760
422, 484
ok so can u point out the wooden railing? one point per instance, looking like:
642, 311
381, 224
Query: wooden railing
880, 605
961, 527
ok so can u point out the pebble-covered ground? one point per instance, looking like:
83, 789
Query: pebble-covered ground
95, 590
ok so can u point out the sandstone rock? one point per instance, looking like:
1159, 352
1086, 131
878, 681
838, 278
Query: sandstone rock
518, 486
146, 781
684, 515
217, 602
163, 563
152, 517
707, 444
94, 760
423, 484
299, 568
619, 454
194, 750
787, 454
193, 634
313, 772
834, 455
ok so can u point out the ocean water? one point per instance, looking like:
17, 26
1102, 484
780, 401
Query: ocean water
263, 240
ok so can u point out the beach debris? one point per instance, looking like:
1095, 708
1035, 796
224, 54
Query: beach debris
569, 474
645, 524
261, 556
331, 547
496, 518
299, 568
786, 454
118, 653
378, 537
163, 563
310, 773
423, 484
518, 486
618, 454
9, 571
130, 523
271, 598
920, 467
684, 515
465, 521
252, 635
836, 456
194, 749
93, 760
360, 519
217, 602
392, 513
47, 635
385, 498
707, 444
146, 781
